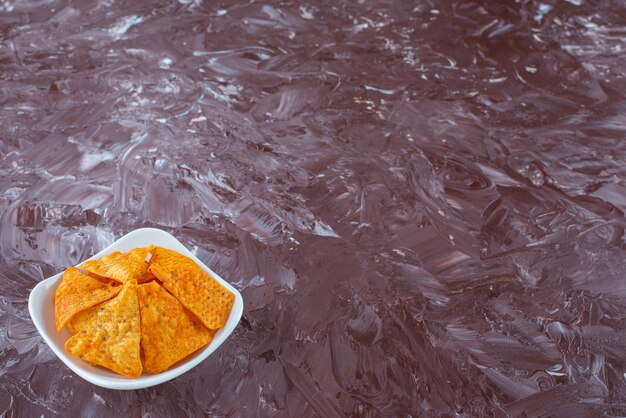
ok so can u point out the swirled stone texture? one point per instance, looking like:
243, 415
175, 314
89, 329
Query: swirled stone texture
422, 202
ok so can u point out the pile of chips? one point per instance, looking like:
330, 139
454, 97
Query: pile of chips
144, 310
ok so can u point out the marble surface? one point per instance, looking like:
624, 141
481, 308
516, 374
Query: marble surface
422, 202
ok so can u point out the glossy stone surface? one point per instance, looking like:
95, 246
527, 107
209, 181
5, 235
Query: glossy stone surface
422, 203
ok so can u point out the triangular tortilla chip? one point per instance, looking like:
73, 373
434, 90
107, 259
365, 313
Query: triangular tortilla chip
81, 319
121, 266
77, 292
192, 286
169, 333
112, 338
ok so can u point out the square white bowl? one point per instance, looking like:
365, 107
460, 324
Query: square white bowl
41, 308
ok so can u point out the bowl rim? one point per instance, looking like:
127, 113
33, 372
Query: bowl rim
37, 304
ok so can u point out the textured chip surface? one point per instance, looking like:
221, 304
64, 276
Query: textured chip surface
192, 286
169, 332
121, 267
112, 337
78, 321
79, 291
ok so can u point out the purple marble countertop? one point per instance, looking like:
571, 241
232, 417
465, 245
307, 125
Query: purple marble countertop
421, 202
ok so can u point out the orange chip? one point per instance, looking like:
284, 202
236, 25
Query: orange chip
78, 321
77, 292
148, 277
112, 337
169, 333
121, 266
192, 286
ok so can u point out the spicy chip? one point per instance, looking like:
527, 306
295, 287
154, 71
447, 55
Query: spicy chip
193, 287
169, 333
79, 291
122, 266
112, 337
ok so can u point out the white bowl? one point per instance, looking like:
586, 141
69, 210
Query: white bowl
41, 307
